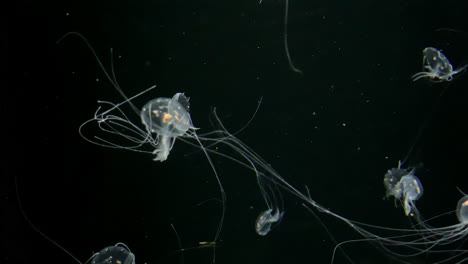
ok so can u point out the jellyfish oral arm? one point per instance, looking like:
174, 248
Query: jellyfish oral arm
163, 148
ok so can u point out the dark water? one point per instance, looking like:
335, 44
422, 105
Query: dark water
337, 128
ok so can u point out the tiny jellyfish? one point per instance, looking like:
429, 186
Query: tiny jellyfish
392, 179
265, 220
169, 119
462, 210
436, 67
117, 254
273, 215
404, 186
412, 189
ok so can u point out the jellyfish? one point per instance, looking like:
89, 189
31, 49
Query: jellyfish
462, 210
266, 219
405, 187
436, 67
168, 118
270, 217
117, 254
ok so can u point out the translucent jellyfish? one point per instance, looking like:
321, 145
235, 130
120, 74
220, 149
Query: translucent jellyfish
412, 189
168, 118
117, 254
436, 67
266, 219
392, 181
269, 217
405, 187
462, 210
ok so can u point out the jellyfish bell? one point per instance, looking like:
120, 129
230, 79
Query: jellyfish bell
462, 210
168, 118
392, 181
266, 219
437, 67
117, 254
404, 186
412, 190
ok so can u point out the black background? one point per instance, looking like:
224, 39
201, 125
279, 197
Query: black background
357, 58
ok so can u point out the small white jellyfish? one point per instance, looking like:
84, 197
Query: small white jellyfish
436, 67
462, 210
168, 118
117, 254
273, 215
266, 219
405, 187
412, 190
392, 179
